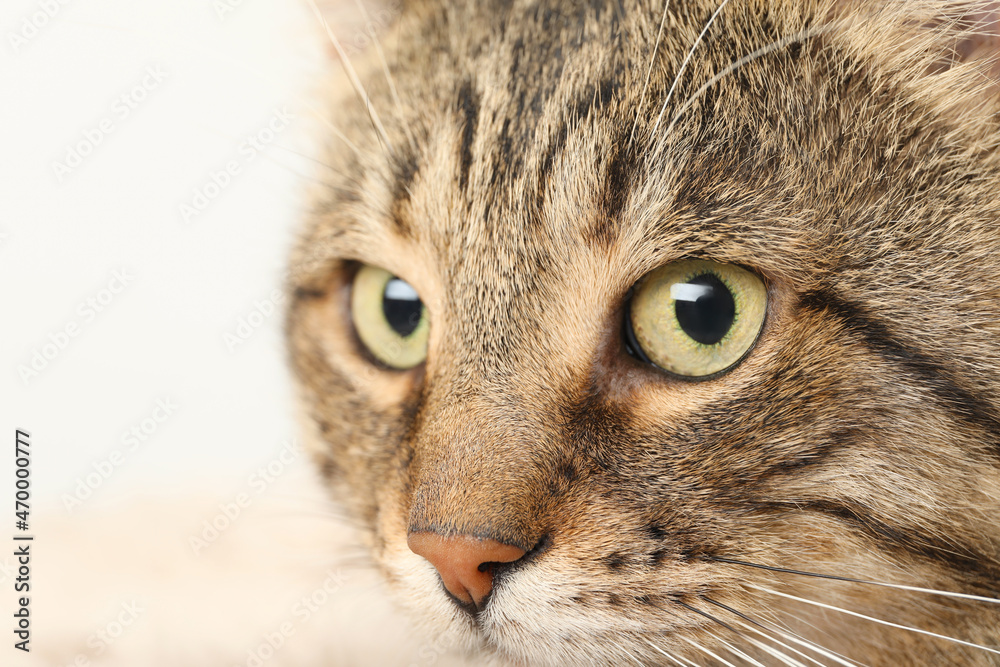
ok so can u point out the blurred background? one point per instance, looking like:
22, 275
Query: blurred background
117, 117
155, 161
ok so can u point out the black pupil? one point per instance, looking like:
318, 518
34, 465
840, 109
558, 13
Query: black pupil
705, 312
402, 307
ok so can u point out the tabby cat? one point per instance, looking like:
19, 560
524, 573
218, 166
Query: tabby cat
668, 333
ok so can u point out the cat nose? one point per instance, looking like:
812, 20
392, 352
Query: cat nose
464, 562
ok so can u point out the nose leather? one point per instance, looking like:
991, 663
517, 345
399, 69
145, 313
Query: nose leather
462, 561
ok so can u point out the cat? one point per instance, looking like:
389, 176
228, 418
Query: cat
667, 333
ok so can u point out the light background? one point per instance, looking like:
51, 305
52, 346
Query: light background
64, 237
106, 540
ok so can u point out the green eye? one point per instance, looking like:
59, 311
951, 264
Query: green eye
696, 318
390, 318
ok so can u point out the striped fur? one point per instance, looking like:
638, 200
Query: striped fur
528, 178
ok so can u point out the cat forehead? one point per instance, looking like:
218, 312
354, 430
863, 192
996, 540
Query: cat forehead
554, 128
534, 126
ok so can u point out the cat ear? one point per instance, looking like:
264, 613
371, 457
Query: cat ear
950, 48
979, 39
967, 32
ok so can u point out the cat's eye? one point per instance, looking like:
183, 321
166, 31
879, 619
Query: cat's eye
389, 317
696, 318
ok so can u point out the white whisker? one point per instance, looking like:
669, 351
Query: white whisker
340, 135
352, 75
735, 651
385, 70
626, 652
304, 157
730, 647
708, 652
649, 70
792, 637
773, 651
684, 64
813, 646
783, 657
750, 57
667, 655
717, 621
901, 587
780, 643
876, 620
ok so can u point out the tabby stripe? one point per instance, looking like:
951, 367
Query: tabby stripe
966, 565
619, 177
406, 166
307, 293
554, 148
589, 101
962, 404
792, 464
468, 107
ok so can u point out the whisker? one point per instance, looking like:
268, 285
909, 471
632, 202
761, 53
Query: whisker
708, 652
649, 70
708, 616
915, 589
667, 655
626, 652
352, 75
307, 507
309, 158
875, 620
343, 137
684, 64
735, 651
722, 623
732, 649
772, 639
783, 657
326, 516
790, 636
385, 70
750, 57
780, 643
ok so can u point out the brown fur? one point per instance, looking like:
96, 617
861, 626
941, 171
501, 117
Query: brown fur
856, 170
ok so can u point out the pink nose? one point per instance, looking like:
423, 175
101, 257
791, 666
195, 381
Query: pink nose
463, 562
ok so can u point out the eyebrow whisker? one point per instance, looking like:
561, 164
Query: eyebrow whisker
352, 75
684, 64
649, 70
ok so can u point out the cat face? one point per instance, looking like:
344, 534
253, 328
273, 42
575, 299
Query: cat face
561, 459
